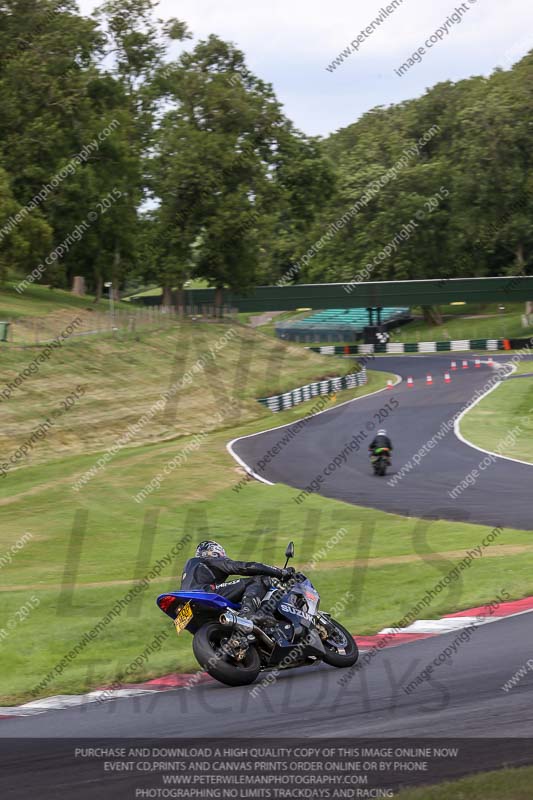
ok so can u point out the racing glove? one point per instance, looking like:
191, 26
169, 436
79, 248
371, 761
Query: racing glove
287, 573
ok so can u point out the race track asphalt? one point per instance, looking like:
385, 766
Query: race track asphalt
499, 496
464, 697
463, 703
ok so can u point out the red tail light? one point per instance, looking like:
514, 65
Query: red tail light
166, 602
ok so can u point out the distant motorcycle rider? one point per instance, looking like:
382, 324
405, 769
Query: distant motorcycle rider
210, 567
380, 441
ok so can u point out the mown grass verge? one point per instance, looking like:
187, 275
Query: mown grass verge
87, 548
505, 784
38, 301
211, 369
503, 421
99, 542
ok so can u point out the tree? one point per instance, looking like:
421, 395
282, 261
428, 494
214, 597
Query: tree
468, 190
493, 174
230, 172
20, 243
45, 65
71, 85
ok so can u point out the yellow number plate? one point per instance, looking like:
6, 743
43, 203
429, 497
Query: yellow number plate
183, 618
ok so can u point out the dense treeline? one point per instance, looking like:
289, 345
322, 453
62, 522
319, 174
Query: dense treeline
97, 119
467, 198
122, 161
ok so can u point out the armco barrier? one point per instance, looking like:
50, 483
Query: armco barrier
279, 402
413, 347
520, 344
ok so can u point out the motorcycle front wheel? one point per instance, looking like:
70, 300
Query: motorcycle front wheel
209, 648
340, 646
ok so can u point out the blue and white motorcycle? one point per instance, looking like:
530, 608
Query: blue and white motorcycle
291, 631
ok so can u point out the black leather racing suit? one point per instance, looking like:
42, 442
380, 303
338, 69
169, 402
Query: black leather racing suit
379, 441
209, 575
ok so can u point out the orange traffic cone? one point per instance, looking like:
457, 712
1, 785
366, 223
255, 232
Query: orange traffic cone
477, 363
390, 385
410, 383
429, 380
454, 365
465, 364
447, 378
491, 361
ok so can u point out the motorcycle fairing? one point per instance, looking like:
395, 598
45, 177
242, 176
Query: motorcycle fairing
307, 591
286, 638
284, 648
209, 600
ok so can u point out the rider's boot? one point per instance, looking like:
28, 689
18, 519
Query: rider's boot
249, 607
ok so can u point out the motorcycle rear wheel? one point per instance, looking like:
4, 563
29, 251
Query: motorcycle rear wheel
344, 640
206, 646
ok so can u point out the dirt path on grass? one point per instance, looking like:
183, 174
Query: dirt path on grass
264, 319
496, 551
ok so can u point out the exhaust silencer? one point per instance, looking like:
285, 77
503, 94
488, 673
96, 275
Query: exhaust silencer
240, 623
245, 626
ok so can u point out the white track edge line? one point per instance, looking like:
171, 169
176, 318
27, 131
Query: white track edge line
362, 651
457, 432
249, 470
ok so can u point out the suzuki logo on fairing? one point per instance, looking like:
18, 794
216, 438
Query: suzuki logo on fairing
292, 610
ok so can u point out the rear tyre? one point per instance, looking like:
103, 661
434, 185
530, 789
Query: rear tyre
339, 640
208, 645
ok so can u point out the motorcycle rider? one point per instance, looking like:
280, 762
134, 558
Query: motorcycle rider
379, 441
210, 566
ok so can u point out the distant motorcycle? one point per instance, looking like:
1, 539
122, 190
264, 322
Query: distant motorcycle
292, 631
381, 461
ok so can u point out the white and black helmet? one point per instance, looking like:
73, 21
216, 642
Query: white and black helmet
210, 549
